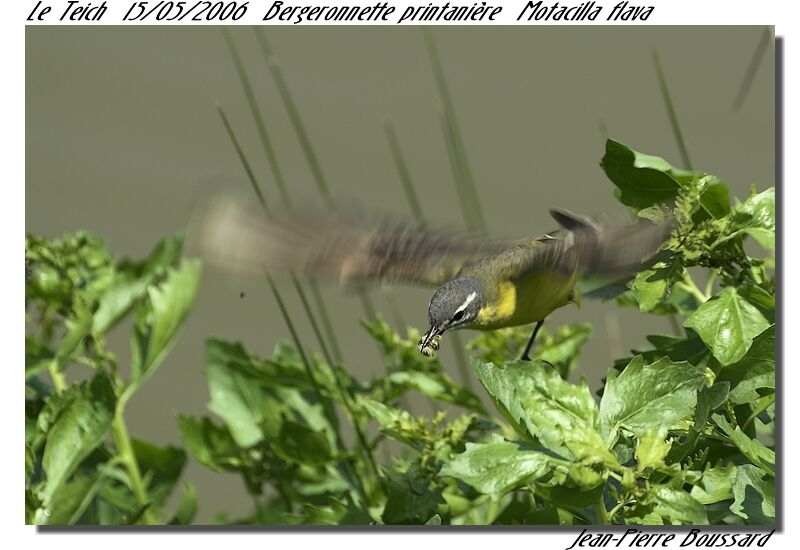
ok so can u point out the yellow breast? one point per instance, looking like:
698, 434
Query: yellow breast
525, 300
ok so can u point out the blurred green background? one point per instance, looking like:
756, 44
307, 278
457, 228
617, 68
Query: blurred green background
122, 138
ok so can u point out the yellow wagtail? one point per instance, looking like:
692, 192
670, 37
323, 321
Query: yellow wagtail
481, 283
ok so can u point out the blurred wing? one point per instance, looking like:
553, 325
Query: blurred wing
346, 246
589, 248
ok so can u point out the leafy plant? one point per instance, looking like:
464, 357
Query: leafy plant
682, 433
81, 464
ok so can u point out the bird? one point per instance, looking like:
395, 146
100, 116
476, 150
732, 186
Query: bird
480, 282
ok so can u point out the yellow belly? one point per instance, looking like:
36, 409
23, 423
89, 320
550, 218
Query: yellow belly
525, 300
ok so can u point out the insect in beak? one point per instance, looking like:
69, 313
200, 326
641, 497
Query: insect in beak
429, 343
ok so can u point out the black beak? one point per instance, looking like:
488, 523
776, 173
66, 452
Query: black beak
429, 343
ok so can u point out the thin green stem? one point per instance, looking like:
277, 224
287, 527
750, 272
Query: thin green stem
763, 405
397, 315
712, 278
277, 174
259, 194
602, 513
312, 319
258, 118
59, 381
403, 172
689, 286
367, 305
752, 69
673, 117
615, 475
294, 115
330, 411
302, 136
242, 158
327, 326
453, 134
127, 456
615, 510
491, 512
93, 490
471, 216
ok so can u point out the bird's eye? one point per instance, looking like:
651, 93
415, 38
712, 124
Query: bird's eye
458, 316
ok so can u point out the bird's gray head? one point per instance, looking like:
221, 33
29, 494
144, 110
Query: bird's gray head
454, 304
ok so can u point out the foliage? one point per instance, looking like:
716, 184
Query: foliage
682, 432
75, 293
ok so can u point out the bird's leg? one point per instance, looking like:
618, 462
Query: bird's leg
526, 353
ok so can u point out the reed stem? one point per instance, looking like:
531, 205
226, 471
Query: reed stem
752, 69
673, 117
464, 177
305, 142
261, 126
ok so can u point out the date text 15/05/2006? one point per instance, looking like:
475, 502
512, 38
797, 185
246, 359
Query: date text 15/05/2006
636, 538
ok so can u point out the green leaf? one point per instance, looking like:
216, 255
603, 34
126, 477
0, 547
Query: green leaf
716, 484
727, 323
158, 323
690, 349
302, 445
131, 282
235, 397
677, 506
759, 297
645, 397
69, 502
754, 495
335, 513
642, 180
755, 451
187, 506
522, 510
652, 448
161, 466
436, 519
497, 467
399, 425
561, 349
437, 385
652, 288
501, 345
208, 443
37, 356
758, 211
412, 498
312, 414
764, 237
78, 328
561, 415
649, 289
47, 413
708, 400
80, 428
253, 396
251, 405
755, 371
714, 197
655, 214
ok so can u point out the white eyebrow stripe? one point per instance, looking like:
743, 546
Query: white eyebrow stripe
467, 302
